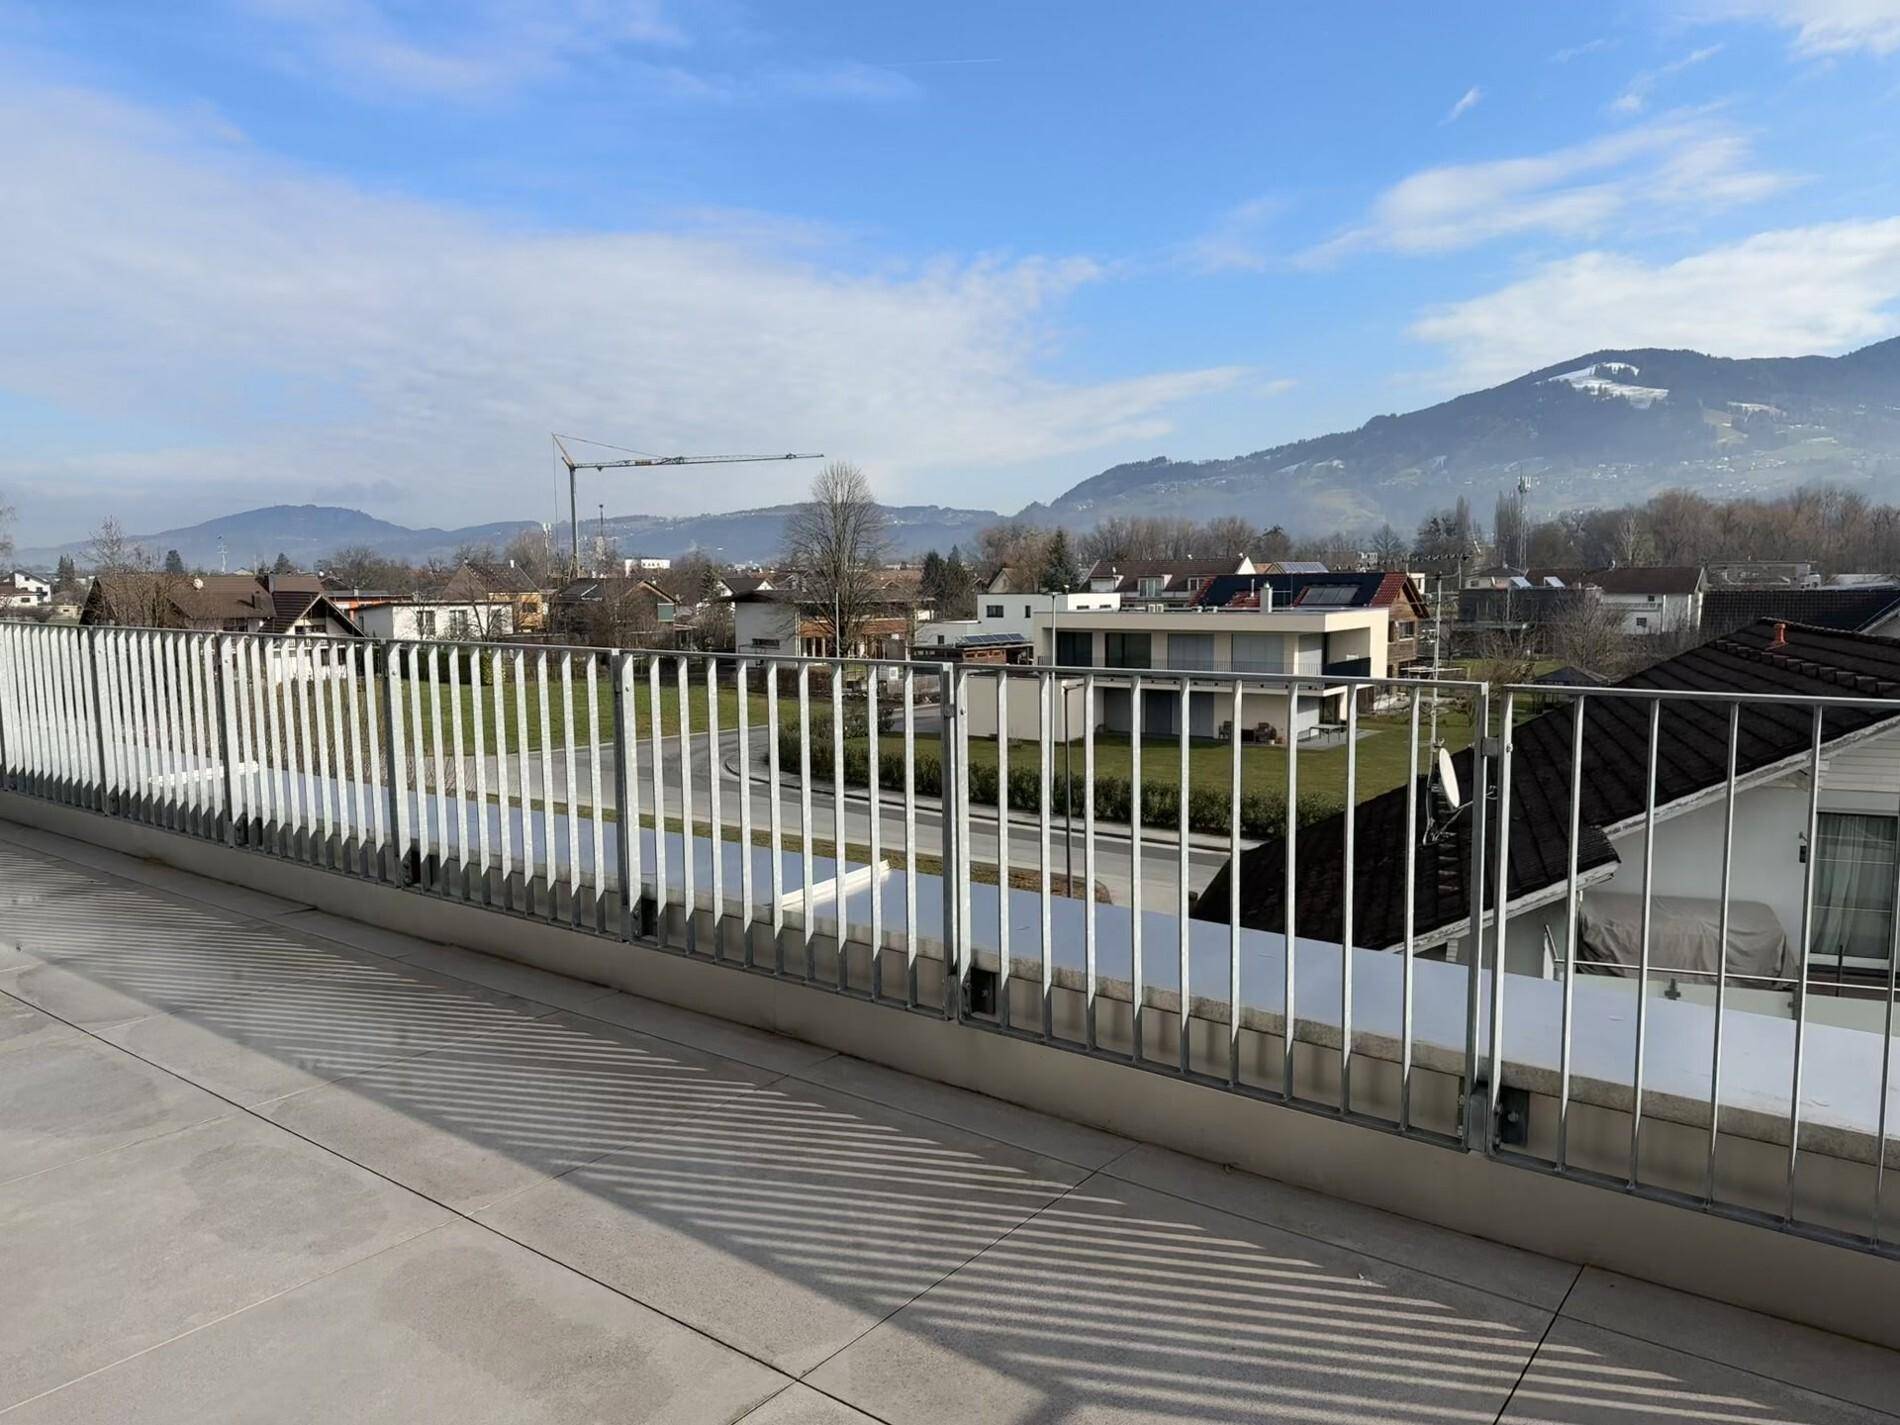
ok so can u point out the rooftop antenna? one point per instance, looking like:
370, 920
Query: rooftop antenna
636, 460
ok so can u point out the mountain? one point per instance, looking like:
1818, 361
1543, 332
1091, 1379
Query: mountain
1605, 428
309, 532
304, 532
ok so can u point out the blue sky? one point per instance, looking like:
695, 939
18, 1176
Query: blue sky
372, 251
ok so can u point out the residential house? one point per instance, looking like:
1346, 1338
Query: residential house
459, 619
616, 610
1323, 642
1653, 599
1003, 619
1761, 574
22, 590
1162, 581
480, 583
1393, 590
776, 620
231, 603
1852, 925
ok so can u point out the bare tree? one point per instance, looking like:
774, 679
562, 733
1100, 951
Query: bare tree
1390, 549
1590, 636
115, 552
6, 532
834, 546
529, 552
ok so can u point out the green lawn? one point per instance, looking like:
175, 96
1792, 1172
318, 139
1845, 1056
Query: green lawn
1382, 758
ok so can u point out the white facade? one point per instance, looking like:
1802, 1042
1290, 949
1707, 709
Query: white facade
1858, 780
1308, 642
424, 619
25, 591
1011, 613
764, 626
1654, 613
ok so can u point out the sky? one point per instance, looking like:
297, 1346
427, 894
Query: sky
373, 252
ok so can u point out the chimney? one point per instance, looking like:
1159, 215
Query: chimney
1780, 640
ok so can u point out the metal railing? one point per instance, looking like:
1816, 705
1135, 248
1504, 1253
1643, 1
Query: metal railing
862, 829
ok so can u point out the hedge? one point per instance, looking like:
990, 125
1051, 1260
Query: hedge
1262, 814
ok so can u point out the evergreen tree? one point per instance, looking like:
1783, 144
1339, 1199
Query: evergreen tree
174, 562
1059, 572
68, 572
959, 589
282, 565
930, 580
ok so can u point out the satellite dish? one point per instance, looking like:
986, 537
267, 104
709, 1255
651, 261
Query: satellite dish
1448, 781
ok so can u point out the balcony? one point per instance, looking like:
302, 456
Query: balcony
355, 1058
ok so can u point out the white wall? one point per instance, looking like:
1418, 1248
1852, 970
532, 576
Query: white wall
756, 624
403, 621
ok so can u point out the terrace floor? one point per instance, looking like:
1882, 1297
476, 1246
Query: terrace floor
260, 1163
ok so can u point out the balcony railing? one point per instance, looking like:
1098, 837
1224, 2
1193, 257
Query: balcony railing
727, 809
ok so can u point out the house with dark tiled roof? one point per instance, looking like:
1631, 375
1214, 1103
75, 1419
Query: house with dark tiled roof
1162, 581
230, 603
1855, 609
1856, 833
482, 583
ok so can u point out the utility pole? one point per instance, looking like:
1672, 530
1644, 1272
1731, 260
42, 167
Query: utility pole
634, 462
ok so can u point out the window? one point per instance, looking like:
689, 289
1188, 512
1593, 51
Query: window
1642, 622
992, 611
1150, 586
425, 623
1128, 650
1853, 888
461, 625
1074, 649
1026, 611
664, 610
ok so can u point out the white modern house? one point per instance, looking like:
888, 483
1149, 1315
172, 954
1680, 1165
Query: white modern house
1003, 615
1652, 599
25, 591
424, 619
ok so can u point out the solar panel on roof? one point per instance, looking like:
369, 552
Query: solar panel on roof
1326, 595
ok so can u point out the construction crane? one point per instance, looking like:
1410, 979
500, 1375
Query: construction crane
633, 462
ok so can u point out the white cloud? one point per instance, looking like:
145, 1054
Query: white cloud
1784, 293
480, 48
273, 328
1238, 241
1652, 174
1821, 27
1466, 103
1564, 56
1635, 97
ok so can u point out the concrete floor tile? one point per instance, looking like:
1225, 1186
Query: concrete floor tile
1489, 1266
76, 998
1587, 1375
1746, 1340
455, 1327
516, 979
69, 1098
1122, 1304
116, 1254
26, 878
22, 1025
801, 1405
1085, 1147
719, 1036
373, 938
471, 1123
788, 1221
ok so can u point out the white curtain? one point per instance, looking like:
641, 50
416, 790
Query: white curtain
1853, 886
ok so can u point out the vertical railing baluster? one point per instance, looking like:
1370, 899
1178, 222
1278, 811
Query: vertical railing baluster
1571, 899
1289, 1017
1045, 908
390, 694
714, 811
1468, 1117
1136, 1047
504, 802
1886, 1061
1721, 940
1088, 861
840, 830
748, 908
804, 814
1184, 972
775, 817
1409, 915
1807, 944
1233, 884
1346, 902
365, 805
478, 736
458, 768
550, 852
569, 800
1502, 914
597, 820
1642, 973
229, 735
1002, 845
627, 794
910, 837
689, 853
524, 778
419, 669
874, 816
440, 799
657, 742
